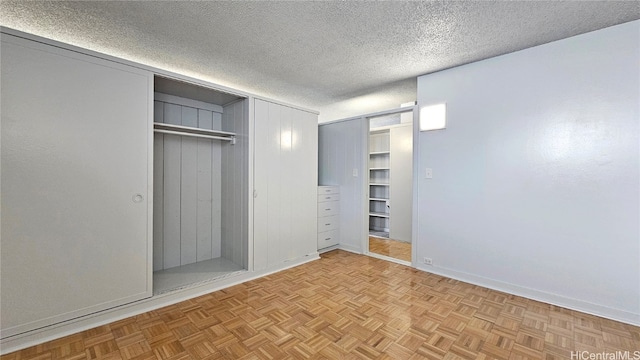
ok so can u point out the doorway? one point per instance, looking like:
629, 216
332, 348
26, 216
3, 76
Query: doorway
390, 185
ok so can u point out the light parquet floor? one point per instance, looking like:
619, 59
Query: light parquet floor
347, 306
389, 247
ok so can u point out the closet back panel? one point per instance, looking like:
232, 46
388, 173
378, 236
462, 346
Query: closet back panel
187, 189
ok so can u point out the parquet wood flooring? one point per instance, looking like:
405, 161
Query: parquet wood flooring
389, 247
347, 306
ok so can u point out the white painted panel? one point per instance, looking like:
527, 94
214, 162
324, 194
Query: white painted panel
401, 185
172, 188
188, 189
217, 121
262, 167
535, 179
158, 190
287, 185
309, 191
285, 218
204, 189
234, 189
75, 145
276, 250
379, 141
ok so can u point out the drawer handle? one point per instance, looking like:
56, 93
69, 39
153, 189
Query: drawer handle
328, 197
327, 224
327, 190
327, 239
327, 209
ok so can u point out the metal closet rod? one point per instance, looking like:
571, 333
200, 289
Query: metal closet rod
232, 139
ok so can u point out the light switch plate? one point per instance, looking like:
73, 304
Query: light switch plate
355, 172
429, 173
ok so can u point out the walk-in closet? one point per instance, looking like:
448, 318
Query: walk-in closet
390, 184
200, 185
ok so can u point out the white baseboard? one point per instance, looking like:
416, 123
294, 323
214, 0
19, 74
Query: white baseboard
327, 249
349, 248
549, 298
56, 331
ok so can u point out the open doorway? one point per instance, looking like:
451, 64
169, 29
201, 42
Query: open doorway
391, 185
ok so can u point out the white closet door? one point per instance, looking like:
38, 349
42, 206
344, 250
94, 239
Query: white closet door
285, 180
75, 145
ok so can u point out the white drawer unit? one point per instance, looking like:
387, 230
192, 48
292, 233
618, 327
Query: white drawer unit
328, 197
327, 238
328, 208
328, 216
327, 223
323, 190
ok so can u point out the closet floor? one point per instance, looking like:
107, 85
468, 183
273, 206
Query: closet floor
185, 276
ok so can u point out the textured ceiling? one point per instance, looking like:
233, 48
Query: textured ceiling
341, 58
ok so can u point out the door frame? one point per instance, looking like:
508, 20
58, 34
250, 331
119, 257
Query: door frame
365, 185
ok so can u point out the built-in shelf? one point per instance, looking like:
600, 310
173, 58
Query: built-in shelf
378, 184
193, 132
379, 153
379, 214
379, 168
378, 199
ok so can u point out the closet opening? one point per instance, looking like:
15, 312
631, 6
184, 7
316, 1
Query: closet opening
200, 174
391, 185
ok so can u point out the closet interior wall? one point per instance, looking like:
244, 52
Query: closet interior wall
200, 196
235, 175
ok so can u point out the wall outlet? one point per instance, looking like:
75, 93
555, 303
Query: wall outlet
428, 261
355, 172
428, 173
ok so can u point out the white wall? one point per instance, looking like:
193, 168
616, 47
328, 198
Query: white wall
535, 185
342, 148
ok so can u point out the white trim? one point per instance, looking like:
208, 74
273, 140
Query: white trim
416, 171
177, 100
328, 248
315, 112
370, 115
349, 248
533, 294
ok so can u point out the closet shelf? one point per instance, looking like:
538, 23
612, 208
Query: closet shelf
379, 214
379, 153
378, 199
378, 184
379, 168
194, 132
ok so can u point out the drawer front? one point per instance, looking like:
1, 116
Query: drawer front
328, 190
327, 223
328, 208
327, 238
328, 197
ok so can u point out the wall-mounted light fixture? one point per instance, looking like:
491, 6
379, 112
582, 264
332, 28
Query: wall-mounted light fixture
433, 117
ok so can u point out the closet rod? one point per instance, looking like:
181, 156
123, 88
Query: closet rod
232, 139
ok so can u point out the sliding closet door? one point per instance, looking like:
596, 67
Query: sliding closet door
75, 142
285, 178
